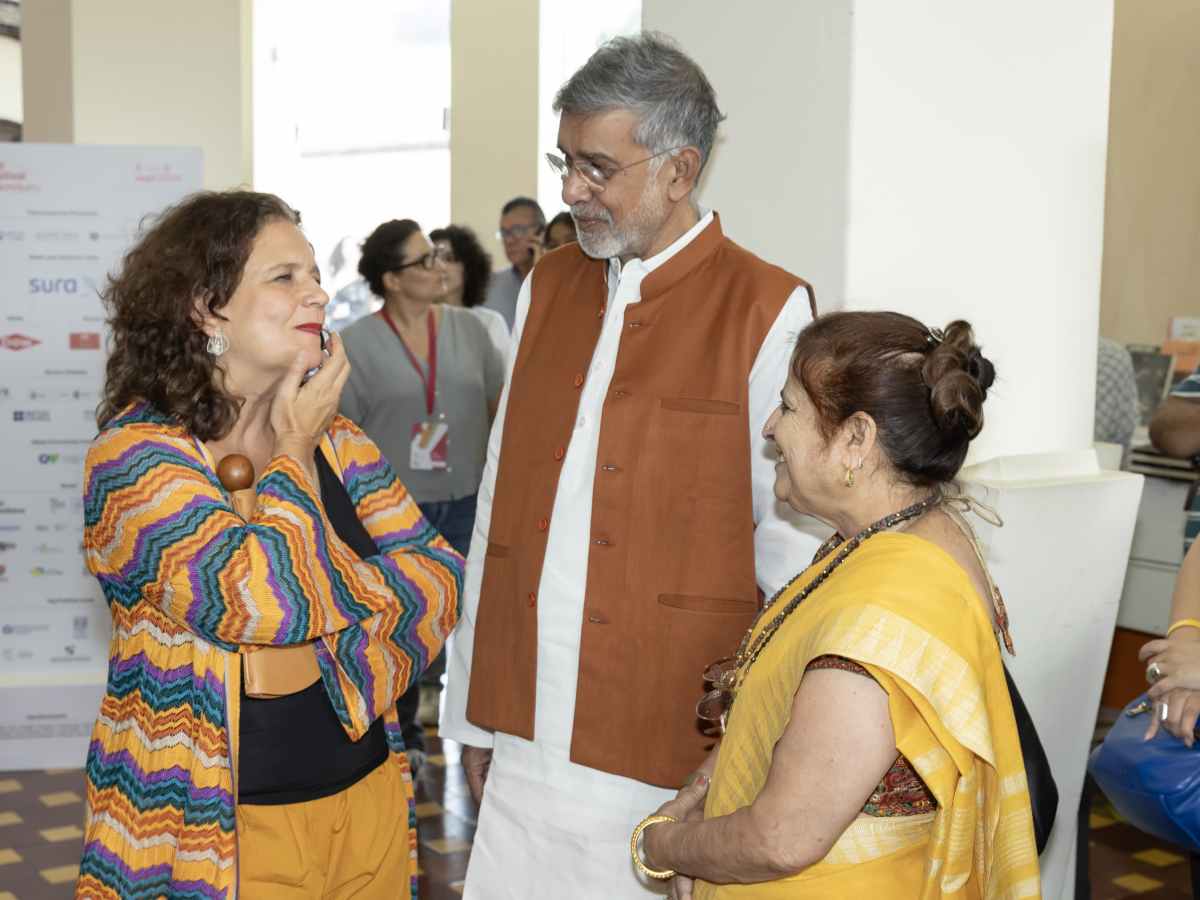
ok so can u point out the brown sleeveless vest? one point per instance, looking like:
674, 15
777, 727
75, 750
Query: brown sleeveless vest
670, 577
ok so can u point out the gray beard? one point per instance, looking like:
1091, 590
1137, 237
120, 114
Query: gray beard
632, 239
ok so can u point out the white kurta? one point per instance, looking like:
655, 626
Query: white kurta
550, 828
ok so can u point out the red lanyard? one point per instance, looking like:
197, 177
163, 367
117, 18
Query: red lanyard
429, 381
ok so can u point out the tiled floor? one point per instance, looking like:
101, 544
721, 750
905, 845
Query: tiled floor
41, 817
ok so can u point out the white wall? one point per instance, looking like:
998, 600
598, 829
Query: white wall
945, 160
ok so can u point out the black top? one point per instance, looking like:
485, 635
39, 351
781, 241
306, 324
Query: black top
293, 748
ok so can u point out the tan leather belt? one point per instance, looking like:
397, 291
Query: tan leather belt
270, 672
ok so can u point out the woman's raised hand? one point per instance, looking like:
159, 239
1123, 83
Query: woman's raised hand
302, 412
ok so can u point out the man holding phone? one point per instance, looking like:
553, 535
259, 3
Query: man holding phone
522, 228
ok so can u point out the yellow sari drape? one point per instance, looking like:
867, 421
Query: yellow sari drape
902, 608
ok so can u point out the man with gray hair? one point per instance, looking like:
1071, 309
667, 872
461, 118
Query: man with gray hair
627, 527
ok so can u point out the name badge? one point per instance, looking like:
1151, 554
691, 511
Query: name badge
429, 449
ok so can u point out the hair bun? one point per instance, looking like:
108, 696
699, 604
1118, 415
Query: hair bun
958, 376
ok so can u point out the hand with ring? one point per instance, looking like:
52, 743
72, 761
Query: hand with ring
1171, 664
1177, 713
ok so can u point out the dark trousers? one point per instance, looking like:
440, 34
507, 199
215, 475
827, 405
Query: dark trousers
455, 519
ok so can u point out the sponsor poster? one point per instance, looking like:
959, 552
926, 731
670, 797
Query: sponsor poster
67, 215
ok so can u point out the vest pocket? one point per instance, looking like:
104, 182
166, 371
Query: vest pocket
712, 605
696, 405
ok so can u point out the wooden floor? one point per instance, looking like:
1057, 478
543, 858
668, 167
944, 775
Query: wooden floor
41, 813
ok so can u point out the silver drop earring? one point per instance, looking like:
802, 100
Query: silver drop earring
217, 343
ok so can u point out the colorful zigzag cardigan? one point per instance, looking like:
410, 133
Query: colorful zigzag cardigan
188, 583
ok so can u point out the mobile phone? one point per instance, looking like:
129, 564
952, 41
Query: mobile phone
313, 371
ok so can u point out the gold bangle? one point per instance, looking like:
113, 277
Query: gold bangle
660, 874
1183, 623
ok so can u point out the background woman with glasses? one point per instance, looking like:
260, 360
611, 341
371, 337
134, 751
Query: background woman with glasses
424, 385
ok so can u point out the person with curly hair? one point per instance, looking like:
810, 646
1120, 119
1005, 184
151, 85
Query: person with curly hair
468, 269
425, 385
317, 574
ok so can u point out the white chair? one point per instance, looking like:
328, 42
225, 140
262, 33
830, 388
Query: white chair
1060, 563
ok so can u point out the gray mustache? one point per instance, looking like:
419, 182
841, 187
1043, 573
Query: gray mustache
582, 212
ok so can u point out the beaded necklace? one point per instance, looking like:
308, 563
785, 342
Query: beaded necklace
728, 674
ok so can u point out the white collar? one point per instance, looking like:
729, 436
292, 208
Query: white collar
645, 267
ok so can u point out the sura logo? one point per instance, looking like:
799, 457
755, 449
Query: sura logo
18, 341
62, 286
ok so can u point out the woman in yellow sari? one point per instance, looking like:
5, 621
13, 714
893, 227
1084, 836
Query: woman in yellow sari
872, 749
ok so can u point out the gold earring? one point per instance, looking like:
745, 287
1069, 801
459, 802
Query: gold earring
849, 477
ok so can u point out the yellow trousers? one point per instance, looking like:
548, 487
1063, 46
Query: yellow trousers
355, 843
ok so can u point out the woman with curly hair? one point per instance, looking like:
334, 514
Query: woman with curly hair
202, 783
468, 270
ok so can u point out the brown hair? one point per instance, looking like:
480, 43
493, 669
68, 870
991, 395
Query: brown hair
924, 388
195, 249
383, 252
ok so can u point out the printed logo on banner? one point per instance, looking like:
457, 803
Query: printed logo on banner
6, 546
31, 415
79, 627
120, 236
60, 459
10, 628
18, 341
45, 572
61, 286
57, 236
155, 173
11, 234
85, 340
16, 179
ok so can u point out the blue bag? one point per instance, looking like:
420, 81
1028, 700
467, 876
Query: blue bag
1154, 784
